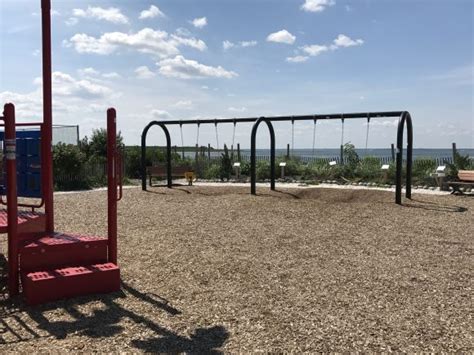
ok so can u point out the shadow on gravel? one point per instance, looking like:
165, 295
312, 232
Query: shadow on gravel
20, 323
431, 206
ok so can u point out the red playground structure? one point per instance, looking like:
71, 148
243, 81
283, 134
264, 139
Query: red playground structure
49, 264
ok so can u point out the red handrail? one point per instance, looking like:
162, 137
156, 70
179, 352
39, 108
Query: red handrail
112, 184
12, 200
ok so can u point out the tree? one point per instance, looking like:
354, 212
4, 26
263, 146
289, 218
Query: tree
96, 146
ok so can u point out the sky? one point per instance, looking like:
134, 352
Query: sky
188, 59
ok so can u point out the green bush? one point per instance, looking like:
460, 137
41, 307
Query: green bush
226, 164
263, 170
212, 172
461, 162
421, 171
368, 169
245, 168
68, 167
294, 166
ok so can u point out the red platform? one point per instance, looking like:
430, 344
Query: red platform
28, 221
51, 285
62, 250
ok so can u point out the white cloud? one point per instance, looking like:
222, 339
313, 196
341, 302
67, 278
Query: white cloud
316, 5
65, 85
190, 42
248, 43
180, 67
147, 40
36, 53
314, 50
282, 36
183, 32
345, 41
227, 45
342, 41
297, 59
71, 21
93, 74
88, 71
26, 105
185, 104
199, 22
144, 72
152, 12
111, 14
237, 109
160, 114
242, 44
112, 75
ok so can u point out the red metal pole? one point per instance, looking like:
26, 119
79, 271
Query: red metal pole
12, 203
47, 129
112, 184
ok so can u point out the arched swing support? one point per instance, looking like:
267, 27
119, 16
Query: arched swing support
405, 118
253, 155
168, 153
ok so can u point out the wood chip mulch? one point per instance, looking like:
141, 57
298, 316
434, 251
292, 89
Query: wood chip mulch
211, 269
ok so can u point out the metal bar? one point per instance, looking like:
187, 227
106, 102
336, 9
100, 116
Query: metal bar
253, 159
112, 184
12, 199
168, 152
409, 154
25, 124
333, 116
404, 118
47, 132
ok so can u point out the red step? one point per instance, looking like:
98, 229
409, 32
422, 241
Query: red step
51, 285
28, 221
59, 250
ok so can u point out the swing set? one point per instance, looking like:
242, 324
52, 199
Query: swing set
403, 116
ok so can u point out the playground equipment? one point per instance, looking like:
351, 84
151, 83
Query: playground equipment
52, 265
404, 119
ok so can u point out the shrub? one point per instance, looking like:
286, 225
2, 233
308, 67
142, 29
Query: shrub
263, 170
225, 164
368, 169
68, 167
422, 170
212, 172
461, 162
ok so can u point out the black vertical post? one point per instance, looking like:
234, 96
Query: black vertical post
342, 155
393, 152
168, 153
196, 152
454, 152
208, 151
288, 151
238, 152
253, 160
405, 117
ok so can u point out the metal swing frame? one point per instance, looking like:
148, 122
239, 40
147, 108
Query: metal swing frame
404, 119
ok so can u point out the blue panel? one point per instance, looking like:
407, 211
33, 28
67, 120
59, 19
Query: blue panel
28, 151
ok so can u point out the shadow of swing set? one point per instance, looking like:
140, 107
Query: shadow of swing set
404, 120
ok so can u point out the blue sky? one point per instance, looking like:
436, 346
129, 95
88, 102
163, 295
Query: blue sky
181, 59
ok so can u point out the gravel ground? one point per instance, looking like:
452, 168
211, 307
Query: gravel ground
210, 269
